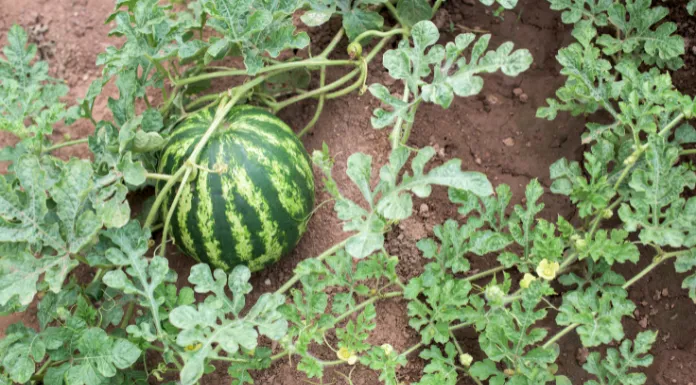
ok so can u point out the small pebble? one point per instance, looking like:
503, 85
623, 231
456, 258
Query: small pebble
267, 282
524, 98
492, 100
424, 209
509, 142
517, 92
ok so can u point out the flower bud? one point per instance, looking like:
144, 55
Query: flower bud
466, 359
355, 50
388, 349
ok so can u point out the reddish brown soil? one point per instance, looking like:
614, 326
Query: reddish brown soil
495, 133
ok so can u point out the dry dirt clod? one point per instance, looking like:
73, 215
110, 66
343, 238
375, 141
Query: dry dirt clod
517, 92
581, 355
509, 142
424, 209
524, 98
478, 160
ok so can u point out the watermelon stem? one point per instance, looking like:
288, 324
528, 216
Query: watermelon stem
155, 176
327, 253
332, 45
170, 213
312, 62
275, 107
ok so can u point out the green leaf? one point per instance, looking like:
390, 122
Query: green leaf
206, 327
658, 45
395, 200
24, 217
257, 27
599, 311
383, 118
20, 350
100, 357
618, 367
691, 7
487, 369
573, 10
452, 74
357, 21
614, 248
655, 205
685, 263
440, 369
30, 98
413, 11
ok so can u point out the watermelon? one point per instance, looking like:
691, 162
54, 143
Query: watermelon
251, 198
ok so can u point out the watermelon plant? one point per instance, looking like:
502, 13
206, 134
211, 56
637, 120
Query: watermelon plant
198, 89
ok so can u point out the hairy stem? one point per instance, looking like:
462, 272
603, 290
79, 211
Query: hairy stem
127, 317
327, 253
155, 176
332, 45
320, 105
656, 262
332, 86
364, 304
484, 274
374, 33
170, 212
395, 15
313, 62
396, 131
152, 215
66, 144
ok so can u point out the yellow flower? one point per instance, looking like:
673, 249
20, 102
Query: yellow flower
527, 280
388, 349
346, 355
547, 270
466, 359
193, 347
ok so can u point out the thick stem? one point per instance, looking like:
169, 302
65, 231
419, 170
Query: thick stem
409, 125
66, 144
656, 262
170, 213
374, 33
320, 104
372, 300
358, 84
436, 6
332, 86
395, 15
327, 253
687, 152
484, 274
155, 176
127, 317
314, 93
161, 195
314, 62
332, 45
396, 131
202, 100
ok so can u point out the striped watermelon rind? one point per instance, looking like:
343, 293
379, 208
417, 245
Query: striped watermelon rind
251, 199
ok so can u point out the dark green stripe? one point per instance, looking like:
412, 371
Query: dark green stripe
223, 228
281, 156
235, 154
